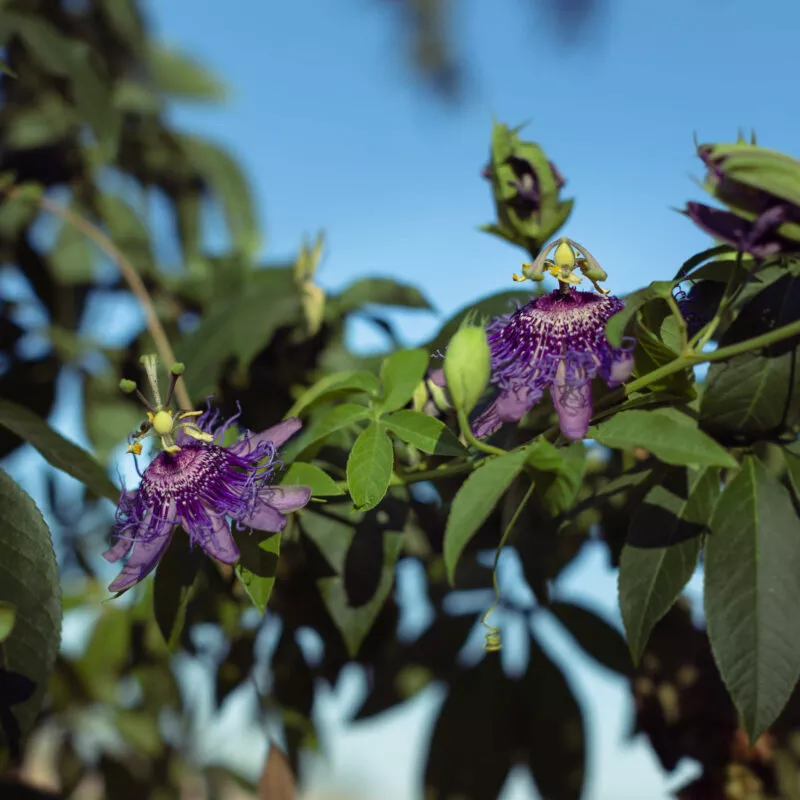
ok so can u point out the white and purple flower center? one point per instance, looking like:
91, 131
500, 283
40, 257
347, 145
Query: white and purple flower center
561, 328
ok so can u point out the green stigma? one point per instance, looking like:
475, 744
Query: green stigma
568, 257
162, 422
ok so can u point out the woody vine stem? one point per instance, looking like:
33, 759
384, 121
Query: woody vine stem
131, 277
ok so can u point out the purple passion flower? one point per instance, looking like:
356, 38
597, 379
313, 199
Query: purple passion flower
199, 484
556, 342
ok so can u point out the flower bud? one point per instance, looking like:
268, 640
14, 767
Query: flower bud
467, 367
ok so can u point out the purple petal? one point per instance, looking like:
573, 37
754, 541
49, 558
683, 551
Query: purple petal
119, 549
513, 404
277, 434
487, 423
147, 553
436, 377
286, 498
216, 539
264, 517
737, 232
573, 403
620, 370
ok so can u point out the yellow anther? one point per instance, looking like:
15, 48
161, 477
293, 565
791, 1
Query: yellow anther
134, 448
191, 414
163, 423
150, 416
564, 255
519, 278
170, 448
196, 433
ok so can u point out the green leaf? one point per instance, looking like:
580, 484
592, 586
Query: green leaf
475, 501
341, 416
675, 510
231, 188
754, 395
424, 432
337, 384
669, 440
650, 581
181, 76
401, 372
750, 396
604, 643
369, 467
558, 484
792, 458
302, 474
355, 623
258, 565
45, 123
752, 582
696, 260
176, 581
467, 367
56, 450
616, 326
8, 618
242, 325
30, 584
381, 291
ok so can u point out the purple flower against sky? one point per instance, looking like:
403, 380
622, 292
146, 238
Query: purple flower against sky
556, 342
198, 483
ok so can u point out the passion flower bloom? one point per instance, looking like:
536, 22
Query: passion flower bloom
198, 483
556, 342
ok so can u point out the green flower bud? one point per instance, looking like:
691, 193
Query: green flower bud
129, 387
467, 367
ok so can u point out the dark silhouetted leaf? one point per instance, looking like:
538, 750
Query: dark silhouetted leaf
597, 637
355, 623
553, 741
31, 584
677, 510
57, 450
381, 291
174, 586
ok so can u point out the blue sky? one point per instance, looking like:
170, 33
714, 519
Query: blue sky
336, 134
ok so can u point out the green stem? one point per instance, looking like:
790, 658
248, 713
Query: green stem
684, 361
434, 474
466, 432
701, 338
